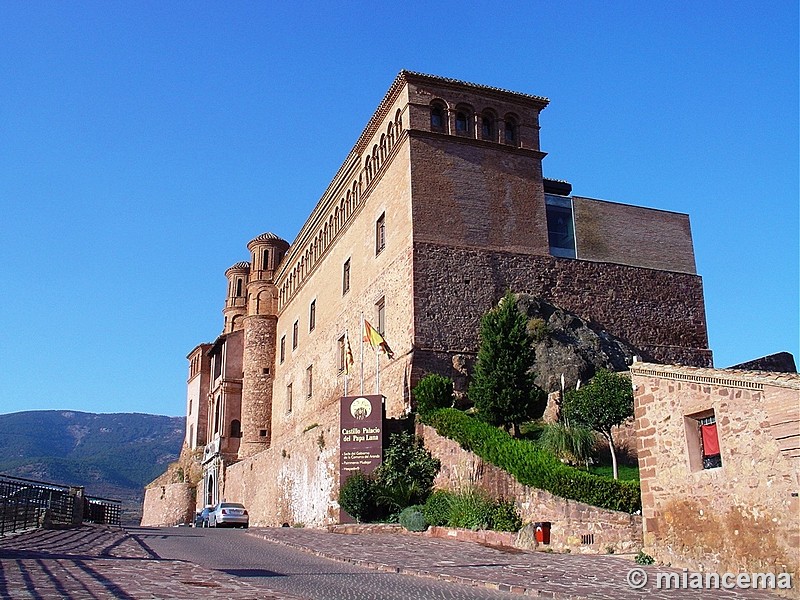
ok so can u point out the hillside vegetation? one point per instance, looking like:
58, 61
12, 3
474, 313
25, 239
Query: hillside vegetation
111, 455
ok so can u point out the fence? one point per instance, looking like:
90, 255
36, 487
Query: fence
26, 504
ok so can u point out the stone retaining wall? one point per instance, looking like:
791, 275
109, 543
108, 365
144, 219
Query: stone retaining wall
576, 526
168, 505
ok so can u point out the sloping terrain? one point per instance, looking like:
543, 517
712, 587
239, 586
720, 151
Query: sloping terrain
111, 455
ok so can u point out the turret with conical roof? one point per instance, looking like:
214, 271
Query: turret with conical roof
266, 252
235, 309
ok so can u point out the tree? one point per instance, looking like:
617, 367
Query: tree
605, 402
433, 392
502, 388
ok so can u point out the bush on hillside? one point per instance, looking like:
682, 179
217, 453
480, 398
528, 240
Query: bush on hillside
532, 466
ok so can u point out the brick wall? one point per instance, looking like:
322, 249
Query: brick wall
744, 515
633, 235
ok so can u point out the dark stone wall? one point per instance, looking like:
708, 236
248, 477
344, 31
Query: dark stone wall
660, 313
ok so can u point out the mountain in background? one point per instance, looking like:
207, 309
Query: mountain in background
111, 455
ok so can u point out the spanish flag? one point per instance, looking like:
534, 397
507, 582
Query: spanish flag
376, 340
348, 355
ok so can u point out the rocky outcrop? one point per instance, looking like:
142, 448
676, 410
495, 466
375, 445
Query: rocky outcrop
568, 345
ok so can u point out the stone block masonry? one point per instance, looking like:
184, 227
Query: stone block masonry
576, 527
661, 313
741, 512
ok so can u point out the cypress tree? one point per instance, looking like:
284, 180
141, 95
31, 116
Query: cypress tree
502, 388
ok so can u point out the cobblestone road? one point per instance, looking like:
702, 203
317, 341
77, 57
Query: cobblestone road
94, 562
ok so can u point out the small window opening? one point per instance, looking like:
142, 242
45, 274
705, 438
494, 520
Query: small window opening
437, 118
709, 443
380, 234
511, 131
283, 348
295, 332
462, 124
312, 315
346, 277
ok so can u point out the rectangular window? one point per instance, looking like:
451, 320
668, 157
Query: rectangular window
283, 348
702, 440
346, 277
709, 442
380, 321
560, 228
312, 315
289, 398
295, 331
310, 380
380, 234
341, 353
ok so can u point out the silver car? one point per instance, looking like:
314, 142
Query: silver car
230, 514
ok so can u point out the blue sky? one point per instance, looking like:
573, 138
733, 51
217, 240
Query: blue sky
142, 144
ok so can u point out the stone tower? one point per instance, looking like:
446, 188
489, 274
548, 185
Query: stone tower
260, 327
236, 301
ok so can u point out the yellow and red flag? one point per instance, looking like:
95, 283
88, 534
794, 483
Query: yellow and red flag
348, 355
376, 340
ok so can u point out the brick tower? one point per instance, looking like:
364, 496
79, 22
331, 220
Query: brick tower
236, 302
260, 326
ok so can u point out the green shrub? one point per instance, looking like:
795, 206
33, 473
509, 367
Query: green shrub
437, 508
505, 516
573, 444
412, 518
357, 496
644, 559
471, 510
432, 393
406, 475
531, 466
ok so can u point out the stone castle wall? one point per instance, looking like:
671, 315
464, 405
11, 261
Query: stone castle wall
660, 312
576, 526
168, 505
295, 480
744, 515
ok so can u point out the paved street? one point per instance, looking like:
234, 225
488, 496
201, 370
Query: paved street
94, 562
238, 553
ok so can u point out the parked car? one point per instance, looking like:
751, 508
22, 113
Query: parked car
201, 518
228, 513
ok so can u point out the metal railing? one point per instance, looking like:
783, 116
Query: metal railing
28, 504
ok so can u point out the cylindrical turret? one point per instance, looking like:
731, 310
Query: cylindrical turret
260, 334
236, 301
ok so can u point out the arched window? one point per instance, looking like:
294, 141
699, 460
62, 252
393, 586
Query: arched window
265, 260
238, 287
390, 134
438, 115
511, 133
398, 120
383, 147
368, 168
236, 428
488, 126
464, 120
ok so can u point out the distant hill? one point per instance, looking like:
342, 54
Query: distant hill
111, 455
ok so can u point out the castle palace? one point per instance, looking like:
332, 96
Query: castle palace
440, 207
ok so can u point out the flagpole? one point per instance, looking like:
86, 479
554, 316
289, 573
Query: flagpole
346, 366
362, 353
377, 371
